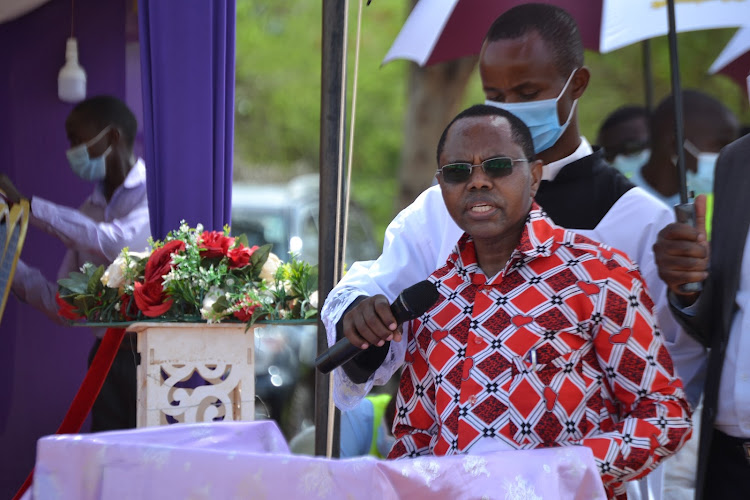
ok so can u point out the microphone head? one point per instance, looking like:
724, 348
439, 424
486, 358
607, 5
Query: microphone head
419, 297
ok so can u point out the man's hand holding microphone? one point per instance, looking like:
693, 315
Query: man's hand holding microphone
374, 322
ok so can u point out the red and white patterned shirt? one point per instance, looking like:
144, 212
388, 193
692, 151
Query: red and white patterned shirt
560, 348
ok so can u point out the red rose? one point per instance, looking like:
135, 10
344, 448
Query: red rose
215, 244
240, 256
246, 312
66, 310
160, 261
151, 299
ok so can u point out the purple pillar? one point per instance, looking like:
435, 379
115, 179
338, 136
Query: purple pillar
187, 59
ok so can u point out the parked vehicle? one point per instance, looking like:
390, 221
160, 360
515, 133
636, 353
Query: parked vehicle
286, 216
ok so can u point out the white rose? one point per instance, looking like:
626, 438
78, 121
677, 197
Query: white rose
314, 299
209, 300
114, 276
139, 255
268, 271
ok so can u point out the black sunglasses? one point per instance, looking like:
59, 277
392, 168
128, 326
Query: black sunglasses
455, 173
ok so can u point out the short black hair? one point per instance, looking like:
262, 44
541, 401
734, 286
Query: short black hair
104, 110
695, 105
520, 133
624, 114
554, 25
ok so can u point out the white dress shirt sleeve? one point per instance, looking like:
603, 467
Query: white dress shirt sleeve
76, 230
33, 288
415, 242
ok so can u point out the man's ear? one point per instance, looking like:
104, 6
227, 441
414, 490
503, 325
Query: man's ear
114, 135
535, 168
580, 81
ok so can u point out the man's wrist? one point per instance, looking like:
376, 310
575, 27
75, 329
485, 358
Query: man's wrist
684, 299
360, 368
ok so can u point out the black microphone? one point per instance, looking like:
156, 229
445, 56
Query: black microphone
411, 303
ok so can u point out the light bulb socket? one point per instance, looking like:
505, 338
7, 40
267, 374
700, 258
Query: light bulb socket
71, 81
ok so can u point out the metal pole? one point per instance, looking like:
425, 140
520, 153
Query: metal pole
674, 66
648, 75
332, 118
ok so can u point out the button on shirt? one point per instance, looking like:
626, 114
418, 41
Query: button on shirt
95, 233
560, 348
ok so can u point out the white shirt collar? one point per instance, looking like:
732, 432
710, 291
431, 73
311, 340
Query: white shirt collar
136, 176
550, 170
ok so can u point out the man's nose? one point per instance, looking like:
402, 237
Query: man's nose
479, 179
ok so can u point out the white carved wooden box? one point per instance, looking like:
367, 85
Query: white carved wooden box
171, 353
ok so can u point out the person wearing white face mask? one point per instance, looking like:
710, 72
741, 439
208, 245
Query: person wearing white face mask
624, 138
87, 168
709, 126
101, 131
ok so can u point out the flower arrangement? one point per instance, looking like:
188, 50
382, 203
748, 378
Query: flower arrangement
192, 275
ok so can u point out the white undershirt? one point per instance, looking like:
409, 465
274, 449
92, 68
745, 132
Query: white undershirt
733, 413
550, 170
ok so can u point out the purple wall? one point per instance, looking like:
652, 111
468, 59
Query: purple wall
42, 364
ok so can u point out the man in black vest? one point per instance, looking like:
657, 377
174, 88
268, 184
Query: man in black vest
718, 317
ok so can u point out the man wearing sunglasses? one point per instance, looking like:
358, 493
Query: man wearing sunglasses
519, 351
531, 64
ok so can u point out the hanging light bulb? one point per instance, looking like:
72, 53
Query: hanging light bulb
71, 81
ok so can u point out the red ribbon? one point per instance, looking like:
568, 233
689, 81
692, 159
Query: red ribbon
87, 393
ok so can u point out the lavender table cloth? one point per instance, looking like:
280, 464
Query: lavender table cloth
236, 460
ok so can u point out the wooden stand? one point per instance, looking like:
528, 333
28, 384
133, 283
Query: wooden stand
222, 355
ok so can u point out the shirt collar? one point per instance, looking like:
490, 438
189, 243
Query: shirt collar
540, 238
550, 170
136, 177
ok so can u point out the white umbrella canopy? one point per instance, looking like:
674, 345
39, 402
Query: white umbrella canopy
442, 30
12, 9
734, 60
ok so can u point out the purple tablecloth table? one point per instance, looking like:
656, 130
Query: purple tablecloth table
234, 460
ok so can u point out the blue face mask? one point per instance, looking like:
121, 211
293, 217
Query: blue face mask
540, 117
629, 164
89, 169
701, 181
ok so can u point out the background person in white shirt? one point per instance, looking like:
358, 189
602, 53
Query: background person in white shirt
101, 131
709, 126
624, 138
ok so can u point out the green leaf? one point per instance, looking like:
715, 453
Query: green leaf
221, 304
95, 281
242, 239
259, 257
75, 281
